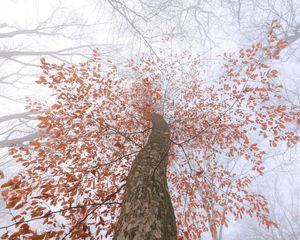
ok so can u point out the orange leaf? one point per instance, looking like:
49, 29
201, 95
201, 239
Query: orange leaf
254, 147
35, 144
147, 115
56, 106
7, 184
274, 73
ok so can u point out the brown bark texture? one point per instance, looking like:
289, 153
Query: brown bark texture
147, 212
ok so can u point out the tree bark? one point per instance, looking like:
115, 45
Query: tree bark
147, 211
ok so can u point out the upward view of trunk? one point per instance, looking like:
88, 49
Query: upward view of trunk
147, 212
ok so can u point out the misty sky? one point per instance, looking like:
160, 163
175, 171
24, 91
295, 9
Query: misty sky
68, 31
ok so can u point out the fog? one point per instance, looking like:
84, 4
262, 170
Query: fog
68, 31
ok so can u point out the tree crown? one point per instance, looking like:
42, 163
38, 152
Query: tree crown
75, 171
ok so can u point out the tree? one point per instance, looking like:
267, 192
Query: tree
76, 171
194, 23
147, 211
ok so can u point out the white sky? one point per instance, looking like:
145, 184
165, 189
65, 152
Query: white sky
27, 13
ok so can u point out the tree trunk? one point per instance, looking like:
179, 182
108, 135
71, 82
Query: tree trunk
147, 212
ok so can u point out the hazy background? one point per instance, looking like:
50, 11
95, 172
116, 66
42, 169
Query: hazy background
67, 31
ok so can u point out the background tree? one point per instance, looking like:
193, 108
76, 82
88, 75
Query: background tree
75, 171
58, 34
69, 29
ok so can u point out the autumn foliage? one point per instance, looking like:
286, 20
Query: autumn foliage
74, 174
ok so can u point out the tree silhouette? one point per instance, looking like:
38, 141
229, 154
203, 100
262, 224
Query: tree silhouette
210, 143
